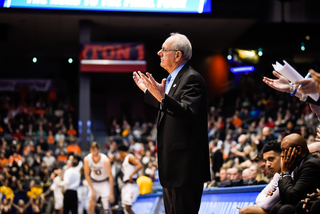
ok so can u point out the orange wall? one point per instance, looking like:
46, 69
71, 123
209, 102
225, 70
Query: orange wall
217, 70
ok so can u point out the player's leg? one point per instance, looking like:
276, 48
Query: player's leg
58, 206
252, 210
104, 192
92, 202
127, 209
129, 194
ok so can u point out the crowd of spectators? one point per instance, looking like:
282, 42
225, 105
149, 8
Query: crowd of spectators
38, 133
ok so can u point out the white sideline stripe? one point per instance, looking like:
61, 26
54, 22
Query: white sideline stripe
112, 62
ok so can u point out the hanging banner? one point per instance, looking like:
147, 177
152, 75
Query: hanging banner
15, 84
158, 6
113, 51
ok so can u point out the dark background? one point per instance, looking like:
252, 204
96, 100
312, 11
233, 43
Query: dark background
278, 27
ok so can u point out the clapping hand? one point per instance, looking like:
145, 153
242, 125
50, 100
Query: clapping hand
138, 80
280, 84
148, 82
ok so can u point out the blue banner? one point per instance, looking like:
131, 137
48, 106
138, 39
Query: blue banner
226, 200
171, 6
145, 205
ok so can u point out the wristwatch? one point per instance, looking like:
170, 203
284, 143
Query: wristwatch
162, 99
285, 173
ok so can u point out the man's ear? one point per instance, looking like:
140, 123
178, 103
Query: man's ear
178, 56
298, 150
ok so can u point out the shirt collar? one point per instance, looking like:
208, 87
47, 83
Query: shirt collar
175, 72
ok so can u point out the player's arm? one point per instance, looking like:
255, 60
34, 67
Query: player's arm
86, 170
107, 166
134, 161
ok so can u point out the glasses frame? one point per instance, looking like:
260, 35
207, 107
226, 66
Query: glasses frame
166, 50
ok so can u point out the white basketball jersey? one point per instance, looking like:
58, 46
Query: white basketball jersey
57, 190
128, 169
98, 170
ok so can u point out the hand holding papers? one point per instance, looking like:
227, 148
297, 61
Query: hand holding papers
292, 75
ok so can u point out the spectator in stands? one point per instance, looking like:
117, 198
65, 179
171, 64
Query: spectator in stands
41, 120
27, 157
236, 176
62, 158
21, 207
265, 200
71, 131
60, 124
227, 144
29, 142
43, 144
6, 205
257, 175
41, 132
238, 150
15, 158
30, 131
51, 128
305, 169
18, 134
59, 137
37, 161
73, 148
3, 161
61, 146
266, 136
246, 176
50, 138
49, 159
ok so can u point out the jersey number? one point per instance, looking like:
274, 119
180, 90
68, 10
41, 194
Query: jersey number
97, 172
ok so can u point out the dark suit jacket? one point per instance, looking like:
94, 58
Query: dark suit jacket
183, 152
306, 180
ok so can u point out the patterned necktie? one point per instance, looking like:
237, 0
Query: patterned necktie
167, 82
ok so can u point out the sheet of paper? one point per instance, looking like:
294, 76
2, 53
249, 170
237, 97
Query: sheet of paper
292, 75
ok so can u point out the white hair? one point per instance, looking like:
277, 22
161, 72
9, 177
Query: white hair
182, 44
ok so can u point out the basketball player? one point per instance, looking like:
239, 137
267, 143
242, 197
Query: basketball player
130, 166
57, 189
97, 172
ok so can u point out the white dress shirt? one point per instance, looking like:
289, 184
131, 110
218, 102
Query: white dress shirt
72, 178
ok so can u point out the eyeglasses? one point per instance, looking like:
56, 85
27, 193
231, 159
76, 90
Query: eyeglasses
166, 50
315, 152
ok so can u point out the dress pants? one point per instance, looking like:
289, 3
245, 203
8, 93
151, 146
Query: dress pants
283, 209
70, 202
315, 208
182, 200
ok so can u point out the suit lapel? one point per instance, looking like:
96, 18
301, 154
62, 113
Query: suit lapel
173, 88
176, 82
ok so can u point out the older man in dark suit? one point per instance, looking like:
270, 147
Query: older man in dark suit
300, 172
183, 151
